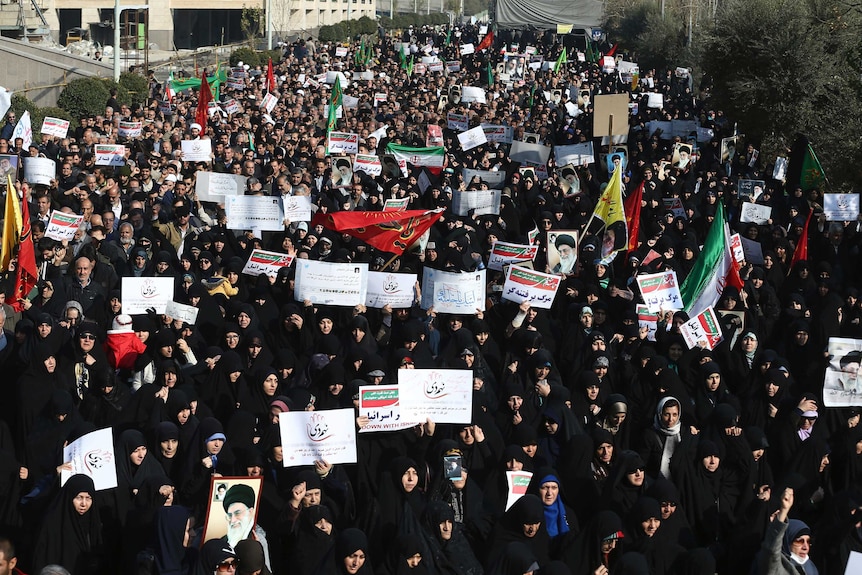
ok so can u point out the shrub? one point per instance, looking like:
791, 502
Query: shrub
132, 89
85, 96
246, 56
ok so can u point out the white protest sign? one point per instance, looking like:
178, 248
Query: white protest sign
182, 312
379, 403
396, 204
516, 486
214, 186
63, 226
309, 436
660, 291
196, 150
842, 382
457, 122
779, 170
472, 138
655, 100
480, 201
331, 75
297, 208
342, 143
231, 106
54, 127
755, 213
140, 294
703, 330
269, 102
577, 154
386, 288
538, 288
266, 263
340, 52
854, 564
449, 292
648, 320
327, 283
110, 155
467, 49
841, 207
527, 152
498, 133
367, 163
39, 170
503, 253
23, 130
254, 213
676, 206
130, 129
473, 94
441, 395
736, 248
92, 455
495, 180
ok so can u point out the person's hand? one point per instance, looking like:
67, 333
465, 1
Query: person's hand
25, 303
183, 345
297, 320
764, 492
601, 570
23, 473
693, 430
65, 467
785, 504
525, 306
733, 431
513, 367
362, 421
773, 411
543, 388
807, 405
480, 314
322, 468
516, 418
162, 394
429, 427
207, 462
297, 495
478, 434
89, 359
853, 421
359, 309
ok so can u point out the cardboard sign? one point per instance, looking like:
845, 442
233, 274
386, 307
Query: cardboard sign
387, 288
218, 524
538, 288
441, 395
458, 122
367, 163
479, 201
503, 253
328, 283
269, 102
755, 213
577, 155
258, 213
517, 483
110, 155
196, 150
92, 455
703, 330
309, 436
266, 263
472, 138
342, 143
39, 170
130, 129
841, 207
449, 292
611, 115
141, 294
396, 204
660, 291
214, 186
55, 127
495, 180
180, 311
380, 404
63, 226
473, 94
297, 208
498, 133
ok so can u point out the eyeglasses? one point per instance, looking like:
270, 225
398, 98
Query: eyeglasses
226, 566
88, 336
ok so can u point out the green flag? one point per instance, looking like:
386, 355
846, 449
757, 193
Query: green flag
410, 67
560, 61
448, 37
359, 55
532, 94
334, 103
812, 175
490, 75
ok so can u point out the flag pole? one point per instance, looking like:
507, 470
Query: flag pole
387, 264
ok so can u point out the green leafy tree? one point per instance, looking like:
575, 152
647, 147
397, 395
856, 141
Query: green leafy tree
782, 67
85, 96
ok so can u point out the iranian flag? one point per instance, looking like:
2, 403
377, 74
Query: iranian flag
431, 158
714, 269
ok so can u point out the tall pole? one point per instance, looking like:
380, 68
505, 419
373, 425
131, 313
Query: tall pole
116, 40
268, 9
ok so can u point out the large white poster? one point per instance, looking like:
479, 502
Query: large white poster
328, 283
380, 404
482, 202
387, 288
92, 455
841, 207
196, 150
254, 213
140, 294
182, 312
39, 170
441, 395
110, 155
449, 292
213, 186
842, 385
309, 436
297, 208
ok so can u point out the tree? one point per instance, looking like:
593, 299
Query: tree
251, 23
782, 67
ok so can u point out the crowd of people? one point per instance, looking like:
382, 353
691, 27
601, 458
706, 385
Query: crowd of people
646, 456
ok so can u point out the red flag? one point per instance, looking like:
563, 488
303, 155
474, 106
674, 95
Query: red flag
632, 206
205, 96
392, 232
801, 251
612, 51
270, 77
27, 273
486, 41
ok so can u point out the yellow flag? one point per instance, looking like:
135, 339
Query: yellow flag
11, 224
610, 211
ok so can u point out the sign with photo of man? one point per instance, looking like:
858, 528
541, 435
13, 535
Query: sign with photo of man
562, 251
232, 510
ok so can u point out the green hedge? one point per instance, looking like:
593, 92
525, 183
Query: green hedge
132, 89
85, 96
347, 30
37, 115
253, 57
401, 21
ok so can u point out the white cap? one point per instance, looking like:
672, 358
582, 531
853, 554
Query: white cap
122, 323
170, 178
196, 125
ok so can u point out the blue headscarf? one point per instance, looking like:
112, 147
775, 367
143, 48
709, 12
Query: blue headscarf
555, 513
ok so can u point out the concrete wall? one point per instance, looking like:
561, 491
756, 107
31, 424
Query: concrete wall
24, 65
